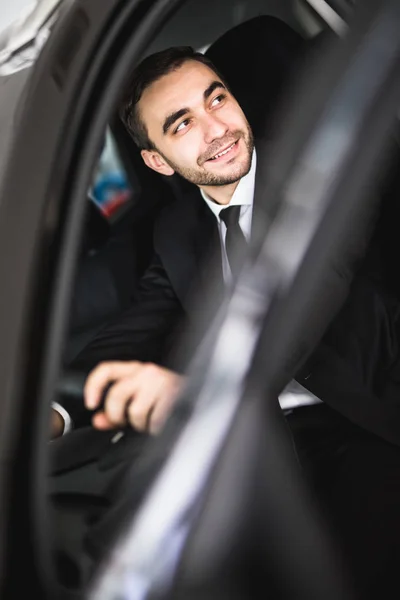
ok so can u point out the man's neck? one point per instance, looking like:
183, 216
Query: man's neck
221, 194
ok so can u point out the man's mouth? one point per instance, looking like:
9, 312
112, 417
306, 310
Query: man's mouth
224, 152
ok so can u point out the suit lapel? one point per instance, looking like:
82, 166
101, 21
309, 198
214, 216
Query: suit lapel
207, 248
192, 254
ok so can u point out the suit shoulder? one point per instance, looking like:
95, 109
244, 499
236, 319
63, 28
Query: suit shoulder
182, 210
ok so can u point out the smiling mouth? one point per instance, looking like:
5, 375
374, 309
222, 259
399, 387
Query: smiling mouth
223, 152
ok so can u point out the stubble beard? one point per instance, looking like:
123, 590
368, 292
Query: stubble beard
201, 177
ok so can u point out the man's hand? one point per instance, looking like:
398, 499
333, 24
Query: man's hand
142, 394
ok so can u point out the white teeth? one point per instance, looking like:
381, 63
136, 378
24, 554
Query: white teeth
224, 152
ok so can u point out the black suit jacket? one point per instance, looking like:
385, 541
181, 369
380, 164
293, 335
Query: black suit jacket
186, 255
354, 368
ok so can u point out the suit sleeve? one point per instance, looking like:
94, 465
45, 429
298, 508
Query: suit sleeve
356, 367
145, 332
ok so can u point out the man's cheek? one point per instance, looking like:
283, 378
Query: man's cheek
188, 159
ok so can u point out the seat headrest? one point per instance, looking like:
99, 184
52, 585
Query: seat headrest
256, 58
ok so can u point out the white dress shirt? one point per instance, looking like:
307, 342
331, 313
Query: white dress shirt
294, 394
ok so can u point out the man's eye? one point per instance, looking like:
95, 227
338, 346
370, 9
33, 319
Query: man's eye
218, 99
182, 125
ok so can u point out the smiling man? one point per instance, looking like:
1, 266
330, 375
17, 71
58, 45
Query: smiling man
195, 127
185, 120
183, 117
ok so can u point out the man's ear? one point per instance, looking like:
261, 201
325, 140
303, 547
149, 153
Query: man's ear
155, 161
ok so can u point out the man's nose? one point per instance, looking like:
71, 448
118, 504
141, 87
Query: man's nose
214, 128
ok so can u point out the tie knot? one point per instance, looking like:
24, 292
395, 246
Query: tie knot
230, 215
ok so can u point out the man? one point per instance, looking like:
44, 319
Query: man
182, 115
209, 142
184, 118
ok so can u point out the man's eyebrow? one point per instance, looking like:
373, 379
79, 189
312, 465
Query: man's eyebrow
213, 86
170, 120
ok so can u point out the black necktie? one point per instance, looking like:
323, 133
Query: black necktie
235, 242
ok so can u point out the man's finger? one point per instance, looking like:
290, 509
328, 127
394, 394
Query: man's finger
100, 421
153, 383
119, 396
140, 408
103, 375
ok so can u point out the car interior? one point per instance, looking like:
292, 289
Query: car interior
119, 252
114, 255
115, 251
244, 40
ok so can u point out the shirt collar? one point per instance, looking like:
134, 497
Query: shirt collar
242, 196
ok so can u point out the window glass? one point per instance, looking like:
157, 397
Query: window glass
111, 190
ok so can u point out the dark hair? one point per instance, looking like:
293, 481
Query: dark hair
151, 69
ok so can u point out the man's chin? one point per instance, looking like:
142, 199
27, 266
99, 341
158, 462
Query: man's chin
227, 176
216, 175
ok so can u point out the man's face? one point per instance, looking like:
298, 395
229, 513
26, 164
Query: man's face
197, 127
